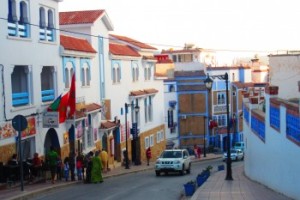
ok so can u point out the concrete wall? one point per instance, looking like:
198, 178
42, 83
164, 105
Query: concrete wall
274, 162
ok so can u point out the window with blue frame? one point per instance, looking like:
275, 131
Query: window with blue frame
147, 72
85, 74
293, 127
275, 117
47, 31
20, 86
47, 84
116, 72
221, 120
135, 71
18, 27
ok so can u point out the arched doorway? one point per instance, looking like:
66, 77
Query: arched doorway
117, 146
51, 139
104, 142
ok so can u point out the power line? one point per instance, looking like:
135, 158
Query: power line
161, 45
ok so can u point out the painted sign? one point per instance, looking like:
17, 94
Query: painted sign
50, 120
7, 130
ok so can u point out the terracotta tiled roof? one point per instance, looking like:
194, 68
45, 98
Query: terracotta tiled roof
122, 50
79, 114
247, 85
76, 44
143, 92
133, 42
137, 93
79, 17
227, 68
151, 91
149, 58
189, 73
92, 107
181, 51
108, 125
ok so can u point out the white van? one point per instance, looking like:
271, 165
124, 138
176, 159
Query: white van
239, 145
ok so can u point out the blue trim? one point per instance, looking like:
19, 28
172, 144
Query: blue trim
101, 67
258, 127
293, 127
275, 117
20, 99
48, 95
65, 60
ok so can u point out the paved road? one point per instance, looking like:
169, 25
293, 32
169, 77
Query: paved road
143, 185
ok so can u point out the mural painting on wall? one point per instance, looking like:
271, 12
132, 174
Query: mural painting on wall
95, 134
66, 138
79, 131
7, 130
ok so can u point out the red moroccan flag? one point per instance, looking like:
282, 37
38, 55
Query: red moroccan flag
62, 107
72, 97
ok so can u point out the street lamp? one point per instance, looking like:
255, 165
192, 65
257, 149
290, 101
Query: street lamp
137, 160
126, 133
208, 84
228, 163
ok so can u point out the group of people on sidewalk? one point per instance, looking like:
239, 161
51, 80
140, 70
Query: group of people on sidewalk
88, 168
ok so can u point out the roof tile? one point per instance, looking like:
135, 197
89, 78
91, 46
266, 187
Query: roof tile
122, 50
76, 44
133, 42
79, 17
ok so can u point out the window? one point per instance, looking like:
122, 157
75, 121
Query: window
221, 98
221, 120
47, 84
147, 72
171, 88
233, 77
20, 86
85, 74
116, 72
158, 137
146, 142
69, 68
151, 141
135, 71
46, 32
18, 28
174, 57
148, 109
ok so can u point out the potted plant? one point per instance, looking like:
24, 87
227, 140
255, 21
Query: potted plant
201, 178
190, 188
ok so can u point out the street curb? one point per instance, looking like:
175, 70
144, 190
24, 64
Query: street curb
30, 194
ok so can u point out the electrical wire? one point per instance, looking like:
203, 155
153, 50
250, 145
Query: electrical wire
152, 44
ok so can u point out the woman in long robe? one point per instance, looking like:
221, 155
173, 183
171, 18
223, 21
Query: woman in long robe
96, 169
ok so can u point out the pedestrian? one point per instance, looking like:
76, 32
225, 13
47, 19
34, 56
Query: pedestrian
52, 161
79, 166
199, 152
195, 151
59, 166
96, 169
104, 160
88, 161
148, 155
66, 168
72, 165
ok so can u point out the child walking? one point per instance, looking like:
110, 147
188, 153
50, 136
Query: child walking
66, 168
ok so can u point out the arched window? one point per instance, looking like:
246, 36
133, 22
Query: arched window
42, 18
50, 19
12, 14
23, 13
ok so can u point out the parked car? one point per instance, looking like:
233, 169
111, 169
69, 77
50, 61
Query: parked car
173, 160
235, 154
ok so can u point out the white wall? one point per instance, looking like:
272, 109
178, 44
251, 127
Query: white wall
275, 162
285, 73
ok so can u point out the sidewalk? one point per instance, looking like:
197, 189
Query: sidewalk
241, 188
30, 190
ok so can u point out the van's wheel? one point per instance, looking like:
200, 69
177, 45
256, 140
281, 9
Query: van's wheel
157, 173
182, 170
188, 171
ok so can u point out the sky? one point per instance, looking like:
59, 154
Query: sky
231, 25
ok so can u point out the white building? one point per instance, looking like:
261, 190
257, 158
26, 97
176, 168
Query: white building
29, 79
